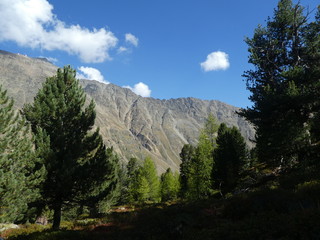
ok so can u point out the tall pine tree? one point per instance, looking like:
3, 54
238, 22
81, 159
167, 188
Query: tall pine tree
229, 156
79, 168
285, 86
20, 169
187, 154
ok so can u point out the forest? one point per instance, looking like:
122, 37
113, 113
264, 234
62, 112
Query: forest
58, 180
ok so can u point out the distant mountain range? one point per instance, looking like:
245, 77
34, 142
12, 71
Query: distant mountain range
133, 125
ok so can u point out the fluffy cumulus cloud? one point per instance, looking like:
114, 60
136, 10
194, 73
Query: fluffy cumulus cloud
90, 74
216, 61
130, 38
140, 89
31, 23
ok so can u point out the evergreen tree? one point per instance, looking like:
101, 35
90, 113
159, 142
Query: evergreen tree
131, 183
169, 185
197, 163
20, 169
285, 85
199, 184
148, 182
312, 87
186, 156
79, 168
229, 156
103, 196
211, 128
143, 188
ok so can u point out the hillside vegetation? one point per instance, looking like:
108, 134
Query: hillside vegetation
56, 168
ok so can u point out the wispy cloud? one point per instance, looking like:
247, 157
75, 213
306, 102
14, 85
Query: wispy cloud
122, 49
216, 61
50, 59
140, 89
91, 74
31, 23
130, 38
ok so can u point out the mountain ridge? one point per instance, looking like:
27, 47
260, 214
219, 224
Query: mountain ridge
135, 126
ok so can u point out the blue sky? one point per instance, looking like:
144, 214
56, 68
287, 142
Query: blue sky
161, 48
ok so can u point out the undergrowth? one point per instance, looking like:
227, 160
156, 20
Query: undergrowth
262, 214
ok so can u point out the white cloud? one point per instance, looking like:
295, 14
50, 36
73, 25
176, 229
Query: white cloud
91, 74
31, 23
130, 38
140, 89
122, 49
216, 61
50, 59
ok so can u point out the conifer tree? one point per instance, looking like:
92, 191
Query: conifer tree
197, 163
199, 184
186, 156
79, 168
131, 182
103, 196
312, 88
285, 85
169, 186
20, 169
210, 129
148, 182
143, 188
229, 156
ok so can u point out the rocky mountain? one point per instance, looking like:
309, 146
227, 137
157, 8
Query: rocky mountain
133, 125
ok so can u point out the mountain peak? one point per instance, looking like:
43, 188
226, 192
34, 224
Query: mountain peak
135, 126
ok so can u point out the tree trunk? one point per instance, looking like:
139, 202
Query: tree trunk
56, 216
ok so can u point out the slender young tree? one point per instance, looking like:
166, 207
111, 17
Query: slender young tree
20, 169
143, 188
169, 186
197, 163
150, 172
186, 156
210, 129
199, 184
148, 187
131, 181
79, 168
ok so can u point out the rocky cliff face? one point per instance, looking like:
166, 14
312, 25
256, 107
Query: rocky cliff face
133, 125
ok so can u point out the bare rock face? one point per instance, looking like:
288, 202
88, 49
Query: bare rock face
133, 125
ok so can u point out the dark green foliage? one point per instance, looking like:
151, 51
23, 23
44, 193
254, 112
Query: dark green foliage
79, 168
229, 157
285, 86
186, 156
20, 169
103, 196
170, 185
